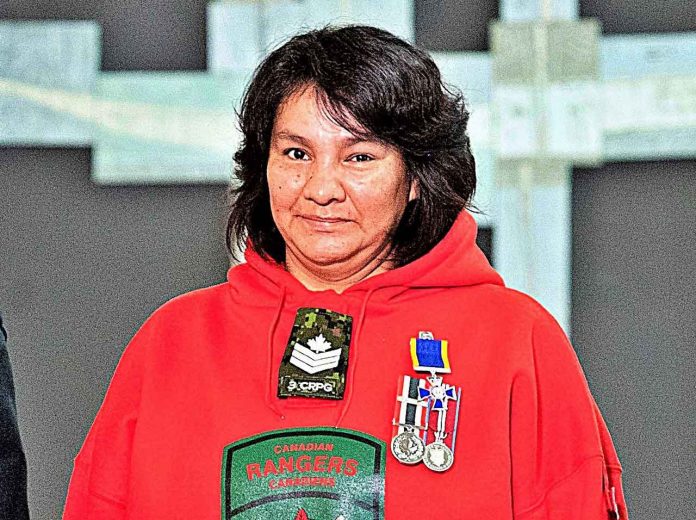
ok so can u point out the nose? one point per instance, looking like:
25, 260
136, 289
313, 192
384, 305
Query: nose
324, 184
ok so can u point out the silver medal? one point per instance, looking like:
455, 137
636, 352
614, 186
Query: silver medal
438, 456
408, 448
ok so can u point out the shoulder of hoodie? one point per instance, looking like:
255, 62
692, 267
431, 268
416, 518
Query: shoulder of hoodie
526, 332
178, 327
185, 309
515, 307
520, 321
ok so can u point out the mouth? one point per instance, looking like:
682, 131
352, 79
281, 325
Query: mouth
321, 224
324, 220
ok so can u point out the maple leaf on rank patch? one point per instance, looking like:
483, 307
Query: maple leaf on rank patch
301, 515
319, 344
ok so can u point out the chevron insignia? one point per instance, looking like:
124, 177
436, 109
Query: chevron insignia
318, 357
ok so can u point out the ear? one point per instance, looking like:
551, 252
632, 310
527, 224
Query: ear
414, 191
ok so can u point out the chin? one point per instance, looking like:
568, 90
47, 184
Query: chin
327, 259
324, 254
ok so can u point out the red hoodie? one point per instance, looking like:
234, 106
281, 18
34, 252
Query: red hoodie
192, 428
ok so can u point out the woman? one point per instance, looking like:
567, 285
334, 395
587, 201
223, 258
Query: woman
366, 361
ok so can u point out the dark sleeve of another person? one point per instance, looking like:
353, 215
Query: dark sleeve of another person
13, 467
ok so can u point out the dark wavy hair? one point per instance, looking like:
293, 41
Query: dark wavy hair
394, 92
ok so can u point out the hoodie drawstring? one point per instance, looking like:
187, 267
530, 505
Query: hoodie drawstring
269, 355
353, 360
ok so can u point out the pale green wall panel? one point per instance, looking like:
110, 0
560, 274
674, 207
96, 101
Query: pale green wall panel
241, 32
46, 70
511, 236
165, 127
51, 54
484, 197
636, 56
526, 10
648, 96
574, 122
285, 18
650, 145
532, 233
649, 118
234, 36
470, 72
396, 16
516, 122
552, 234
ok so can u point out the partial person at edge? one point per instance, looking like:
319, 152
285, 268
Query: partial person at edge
13, 466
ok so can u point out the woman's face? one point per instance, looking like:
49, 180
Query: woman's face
335, 198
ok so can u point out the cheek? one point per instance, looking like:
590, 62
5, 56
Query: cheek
284, 184
380, 209
384, 200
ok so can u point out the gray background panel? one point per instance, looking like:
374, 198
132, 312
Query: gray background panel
82, 268
634, 322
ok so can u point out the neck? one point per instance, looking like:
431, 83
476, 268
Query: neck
337, 276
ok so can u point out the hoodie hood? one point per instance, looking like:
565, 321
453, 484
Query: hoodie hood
456, 261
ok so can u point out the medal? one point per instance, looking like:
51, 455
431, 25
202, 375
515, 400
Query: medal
423, 405
407, 446
438, 456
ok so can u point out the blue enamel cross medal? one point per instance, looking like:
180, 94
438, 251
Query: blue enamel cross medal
427, 410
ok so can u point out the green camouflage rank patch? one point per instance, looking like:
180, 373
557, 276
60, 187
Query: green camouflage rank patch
316, 356
309, 473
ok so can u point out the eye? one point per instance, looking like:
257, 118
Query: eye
361, 157
296, 154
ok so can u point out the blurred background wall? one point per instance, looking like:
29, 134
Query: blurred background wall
83, 265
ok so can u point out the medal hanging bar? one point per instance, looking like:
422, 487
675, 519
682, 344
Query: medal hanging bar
429, 354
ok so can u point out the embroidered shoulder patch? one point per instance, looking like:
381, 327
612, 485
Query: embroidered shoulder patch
309, 473
315, 361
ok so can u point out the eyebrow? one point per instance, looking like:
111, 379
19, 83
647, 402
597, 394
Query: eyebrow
348, 141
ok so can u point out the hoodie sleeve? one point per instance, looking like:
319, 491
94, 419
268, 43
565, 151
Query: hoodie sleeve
99, 484
563, 462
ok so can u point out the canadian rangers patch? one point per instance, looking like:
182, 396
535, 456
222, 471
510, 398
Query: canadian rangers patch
307, 474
